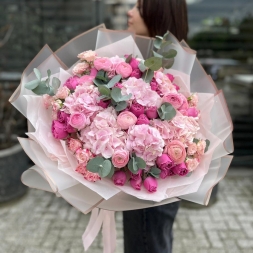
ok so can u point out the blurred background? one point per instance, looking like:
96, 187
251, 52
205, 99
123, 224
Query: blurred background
222, 34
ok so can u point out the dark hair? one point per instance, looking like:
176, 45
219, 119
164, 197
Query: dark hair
165, 15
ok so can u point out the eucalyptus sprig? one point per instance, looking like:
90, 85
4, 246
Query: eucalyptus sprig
135, 164
40, 87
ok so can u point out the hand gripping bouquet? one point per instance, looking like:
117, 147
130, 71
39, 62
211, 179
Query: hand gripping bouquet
120, 122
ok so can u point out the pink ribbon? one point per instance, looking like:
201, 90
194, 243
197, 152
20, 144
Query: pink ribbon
103, 218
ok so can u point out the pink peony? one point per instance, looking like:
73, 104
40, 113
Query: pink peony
104, 104
77, 120
176, 151
85, 79
193, 112
192, 149
164, 162
62, 117
120, 158
192, 163
103, 64
150, 184
134, 63
93, 72
136, 184
62, 92
151, 112
83, 155
137, 109
180, 169
73, 144
142, 119
124, 69
88, 56
136, 73
59, 130
126, 119
119, 178
175, 100
80, 68
72, 82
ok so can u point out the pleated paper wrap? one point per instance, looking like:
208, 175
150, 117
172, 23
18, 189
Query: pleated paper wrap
54, 168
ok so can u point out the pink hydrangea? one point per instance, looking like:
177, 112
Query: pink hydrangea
165, 128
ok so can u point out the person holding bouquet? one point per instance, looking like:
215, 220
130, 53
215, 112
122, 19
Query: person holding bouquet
150, 230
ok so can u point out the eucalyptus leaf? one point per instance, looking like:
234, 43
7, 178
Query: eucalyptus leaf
189, 174
116, 94
37, 73
158, 42
154, 63
56, 83
207, 145
157, 55
141, 164
51, 91
165, 35
195, 140
166, 111
126, 97
113, 81
121, 106
95, 164
148, 75
32, 85
105, 169
104, 90
168, 63
165, 44
170, 54
129, 58
111, 172
132, 166
155, 170
101, 75
42, 89
98, 82
142, 67
48, 73
154, 175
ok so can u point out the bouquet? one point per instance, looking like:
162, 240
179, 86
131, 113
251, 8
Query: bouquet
134, 123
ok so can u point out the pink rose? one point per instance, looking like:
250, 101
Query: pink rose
150, 184
171, 77
93, 72
104, 104
80, 68
164, 162
136, 73
142, 119
120, 158
151, 112
126, 119
192, 149
62, 117
137, 109
77, 120
83, 155
69, 128
134, 63
59, 130
201, 146
72, 82
180, 169
86, 79
192, 112
174, 99
192, 163
119, 178
136, 184
103, 63
62, 92
88, 56
73, 144
176, 151
124, 69
167, 173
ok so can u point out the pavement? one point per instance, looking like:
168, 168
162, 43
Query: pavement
40, 222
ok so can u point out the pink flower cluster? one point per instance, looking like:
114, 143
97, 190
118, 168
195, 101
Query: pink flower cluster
92, 127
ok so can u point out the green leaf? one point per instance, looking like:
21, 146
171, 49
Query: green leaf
165, 35
189, 174
121, 106
142, 67
104, 90
101, 75
37, 73
155, 170
129, 58
111, 172
48, 73
165, 44
170, 54
51, 91
95, 164
148, 75
117, 96
168, 63
195, 140
154, 63
132, 166
105, 169
207, 145
157, 55
126, 97
141, 164
166, 111
42, 89
113, 81
32, 85
98, 82
55, 84
158, 42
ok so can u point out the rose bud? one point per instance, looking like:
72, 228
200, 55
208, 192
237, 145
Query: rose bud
151, 112
136, 73
137, 175
137, 109
150, 184
59, 130
192, 112
119, 178
136, 184
164, 162
104, 104
142, 119
180, 169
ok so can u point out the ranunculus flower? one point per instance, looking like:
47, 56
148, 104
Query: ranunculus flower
124, 69
150, 184
77, 120
59, 130
180, 169
136, 73
151, 112
164, 162
193, 112
72, 82
83, 155
103, 63
126, 119
134, 63
192, 163
62, 92
176, 151
142, 119
137, 109
104, 104
175, 99
120, 158
201, 146
119, 178
73, 144
192, 149
80, 68
136, 184
62, 116
88, 56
